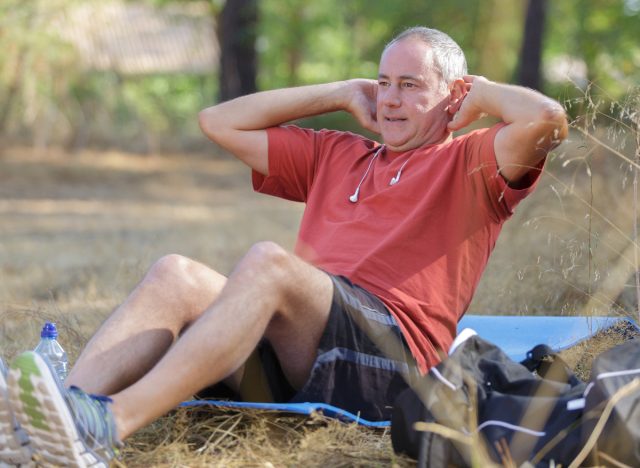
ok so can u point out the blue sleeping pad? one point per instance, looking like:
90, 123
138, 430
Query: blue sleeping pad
515, 334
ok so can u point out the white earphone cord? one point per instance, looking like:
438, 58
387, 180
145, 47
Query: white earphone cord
354, 197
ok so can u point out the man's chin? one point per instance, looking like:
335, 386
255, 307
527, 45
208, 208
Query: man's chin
400, 146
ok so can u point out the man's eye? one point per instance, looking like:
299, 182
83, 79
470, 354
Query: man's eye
408, 85
383, 83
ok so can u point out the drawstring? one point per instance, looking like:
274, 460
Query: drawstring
354, 198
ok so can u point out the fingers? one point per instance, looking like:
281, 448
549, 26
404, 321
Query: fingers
365, 113
363, 104
464, 109
461, 115
455, 124
455, 106
370, 124
464, 117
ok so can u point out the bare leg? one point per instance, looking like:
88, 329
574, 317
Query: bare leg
173, 294
271, 293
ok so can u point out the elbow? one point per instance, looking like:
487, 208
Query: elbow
207, 122
554, 121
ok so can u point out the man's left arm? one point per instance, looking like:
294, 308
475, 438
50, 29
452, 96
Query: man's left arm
535, 123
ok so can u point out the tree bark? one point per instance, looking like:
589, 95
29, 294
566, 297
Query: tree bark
531, 51
12, 91
237, 32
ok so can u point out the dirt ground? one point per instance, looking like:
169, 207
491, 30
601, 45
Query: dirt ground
77, 232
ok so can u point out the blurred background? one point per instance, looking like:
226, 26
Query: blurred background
103, 167
133, 74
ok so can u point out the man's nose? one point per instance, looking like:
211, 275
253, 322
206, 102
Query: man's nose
391, 96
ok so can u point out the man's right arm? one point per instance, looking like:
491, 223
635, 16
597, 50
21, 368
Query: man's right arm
239, 125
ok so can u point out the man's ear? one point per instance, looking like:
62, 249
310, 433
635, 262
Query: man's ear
457, 90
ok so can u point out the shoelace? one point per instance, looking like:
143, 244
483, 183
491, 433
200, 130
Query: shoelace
94, 420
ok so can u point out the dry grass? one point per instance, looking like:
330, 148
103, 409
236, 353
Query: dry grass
581, 356
239, 438
78, 232
252, 438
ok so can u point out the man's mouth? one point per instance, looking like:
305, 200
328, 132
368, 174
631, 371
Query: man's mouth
394, 119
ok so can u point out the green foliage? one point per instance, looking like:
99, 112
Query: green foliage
47, 94
603, 35
311, 42
143, 111
43, 83
36, 66
303, 42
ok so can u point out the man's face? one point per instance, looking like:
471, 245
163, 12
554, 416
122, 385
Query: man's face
411, 98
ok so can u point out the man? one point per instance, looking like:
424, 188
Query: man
391, 247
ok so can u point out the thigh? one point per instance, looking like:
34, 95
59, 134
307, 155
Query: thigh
363, 361
294, 331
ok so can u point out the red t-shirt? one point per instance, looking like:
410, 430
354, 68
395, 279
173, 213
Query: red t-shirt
419, 245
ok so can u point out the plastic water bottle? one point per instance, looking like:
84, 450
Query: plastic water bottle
51, 349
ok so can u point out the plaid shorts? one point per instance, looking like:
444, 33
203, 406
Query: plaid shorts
362, 363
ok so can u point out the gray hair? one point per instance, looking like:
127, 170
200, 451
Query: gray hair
448, 57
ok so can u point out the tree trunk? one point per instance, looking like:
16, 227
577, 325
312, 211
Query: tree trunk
12, 91
237, 31
531, 50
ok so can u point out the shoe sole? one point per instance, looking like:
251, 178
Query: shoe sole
39, 406
14, 443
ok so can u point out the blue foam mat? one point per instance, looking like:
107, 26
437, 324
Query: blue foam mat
296, 408
515, 335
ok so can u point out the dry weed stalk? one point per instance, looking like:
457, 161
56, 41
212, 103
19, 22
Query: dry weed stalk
624, 120
624, 391
444, 431
611, 461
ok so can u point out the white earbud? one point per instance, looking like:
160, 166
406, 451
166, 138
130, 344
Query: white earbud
354, 198
396, 179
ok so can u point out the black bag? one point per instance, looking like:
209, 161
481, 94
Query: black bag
620, 437
521, 412
430, 449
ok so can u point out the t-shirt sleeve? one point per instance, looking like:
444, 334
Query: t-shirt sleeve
292, 163
483, 170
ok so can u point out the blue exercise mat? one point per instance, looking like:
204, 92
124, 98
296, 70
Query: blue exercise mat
296, 408
515, 335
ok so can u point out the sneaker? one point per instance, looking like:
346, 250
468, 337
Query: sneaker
14, 442
67, 427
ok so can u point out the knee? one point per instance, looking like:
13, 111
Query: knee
177, 273
269, 259
169, 267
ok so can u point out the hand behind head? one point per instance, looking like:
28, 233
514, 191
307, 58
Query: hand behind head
362, 104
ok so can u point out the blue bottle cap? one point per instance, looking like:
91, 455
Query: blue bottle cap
49, 331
